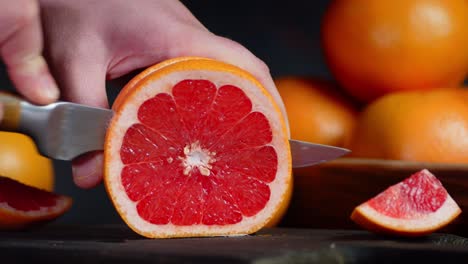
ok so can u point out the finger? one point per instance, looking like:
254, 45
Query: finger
87, 170
21, 51
84, 82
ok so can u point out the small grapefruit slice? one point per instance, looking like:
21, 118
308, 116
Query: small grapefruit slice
197, 147
22, 205
418, 205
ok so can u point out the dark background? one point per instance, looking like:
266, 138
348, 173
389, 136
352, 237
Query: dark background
284, 34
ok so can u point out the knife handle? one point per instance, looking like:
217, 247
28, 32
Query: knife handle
11, 105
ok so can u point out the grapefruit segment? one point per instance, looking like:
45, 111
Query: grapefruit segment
142, 144
190, 203
193, 99
22, 205
245, 162
160, 114
229, 107
248, 193
197, 147
416, 206
220, 207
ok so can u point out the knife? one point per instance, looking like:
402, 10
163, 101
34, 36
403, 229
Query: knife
65, 130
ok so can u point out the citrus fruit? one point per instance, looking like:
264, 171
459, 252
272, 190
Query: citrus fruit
22, 205
20, 160
197, 147
317, 111
375, 47
418, 205
423, 126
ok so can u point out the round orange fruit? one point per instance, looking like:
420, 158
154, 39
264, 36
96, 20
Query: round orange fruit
197, 147
317, 111
425, 126
21, 161
375, 47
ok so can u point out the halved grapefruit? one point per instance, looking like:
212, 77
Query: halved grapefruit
22, 205
418, 205
197, 147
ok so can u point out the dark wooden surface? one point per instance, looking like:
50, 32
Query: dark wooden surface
118, 244
325, 195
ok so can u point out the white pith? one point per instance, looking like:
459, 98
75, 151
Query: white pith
196, 157
420, 222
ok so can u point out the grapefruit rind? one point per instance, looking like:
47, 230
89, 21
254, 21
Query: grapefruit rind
369, 218
10, 218
148, 71
161, 80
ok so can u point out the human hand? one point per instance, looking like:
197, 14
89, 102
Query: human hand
90, 41
21, 51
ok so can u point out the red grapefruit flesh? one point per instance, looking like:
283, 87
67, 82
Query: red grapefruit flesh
198, 148
418, 205
22, 205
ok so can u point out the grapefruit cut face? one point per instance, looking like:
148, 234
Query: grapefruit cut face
418, 205
197, 148
22, 205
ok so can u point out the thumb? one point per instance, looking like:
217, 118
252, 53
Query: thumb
84, 82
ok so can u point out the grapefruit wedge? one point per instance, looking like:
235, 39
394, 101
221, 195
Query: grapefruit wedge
22, 206
418, 205
197, 147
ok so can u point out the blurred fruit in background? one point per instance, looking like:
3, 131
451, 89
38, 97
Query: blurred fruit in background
425, 126
374, 47
20, 160
317, 111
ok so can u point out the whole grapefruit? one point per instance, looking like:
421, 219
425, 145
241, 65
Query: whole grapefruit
317, 110
425, 126
375, 47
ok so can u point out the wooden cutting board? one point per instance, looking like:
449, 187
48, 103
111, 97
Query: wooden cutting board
118, 244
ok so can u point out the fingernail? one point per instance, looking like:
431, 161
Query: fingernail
36, 68
32, 65
48, 88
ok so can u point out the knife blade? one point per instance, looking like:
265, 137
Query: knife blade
305, 154
65, 130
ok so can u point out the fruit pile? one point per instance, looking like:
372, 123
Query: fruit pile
398, 69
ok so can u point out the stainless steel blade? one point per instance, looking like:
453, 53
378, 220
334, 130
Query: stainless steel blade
306, 154
64, 130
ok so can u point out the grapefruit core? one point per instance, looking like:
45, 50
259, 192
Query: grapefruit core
419, 205
197, 147
22, 205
